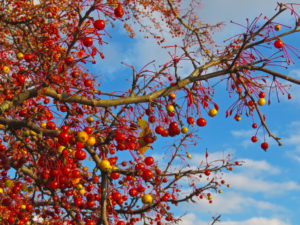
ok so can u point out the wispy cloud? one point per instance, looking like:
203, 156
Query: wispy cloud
256, 221
258, 167
191, 219
234, 202
258, 185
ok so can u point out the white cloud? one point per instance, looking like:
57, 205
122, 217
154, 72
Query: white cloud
294, 73
293, 139
242, 133
236, 10
295, 154
234, 203
256, 221
191, 219
212, 156
255, 184
258, 166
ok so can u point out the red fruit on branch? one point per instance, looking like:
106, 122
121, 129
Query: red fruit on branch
88, 130
207, 172
88, 83
190, 120
69, 60
28, 57
251, 103
278, 43
264, 146
262, 94
64, 138
99, 24
254, 139
149, 160
159, 129
133, 192
119, 11
173, 126
147, 174
87, 41
120, 223
139, 166
53, 184
254, 125
80, 154
114, 176
51, 125
116, 196
201, 122
151, 119
20, 79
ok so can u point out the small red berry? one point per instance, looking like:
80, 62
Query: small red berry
151, 119
149, 160
254, 139
207, 172
99, 24
201, 122
190, 120
278, 43
119, 11
80, 154
88, 83
254, 125
87, 41
262, 95
159, 129
264, 146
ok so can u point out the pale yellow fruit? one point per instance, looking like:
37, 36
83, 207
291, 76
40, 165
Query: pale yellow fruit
6, 69
184, 130
170, 108
105, 165
20, 56
147, 199
9, 183
261, 101
91, 141
82, 191
43, 125
82, 136
213, 112
60, 149
90, 119
79, 186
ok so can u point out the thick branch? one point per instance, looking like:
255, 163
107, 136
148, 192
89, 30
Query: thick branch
194, 76
23, 96
16, 124
276, 74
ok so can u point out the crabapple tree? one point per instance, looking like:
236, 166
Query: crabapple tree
73, 153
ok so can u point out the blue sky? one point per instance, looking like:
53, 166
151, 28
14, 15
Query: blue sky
266, 190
